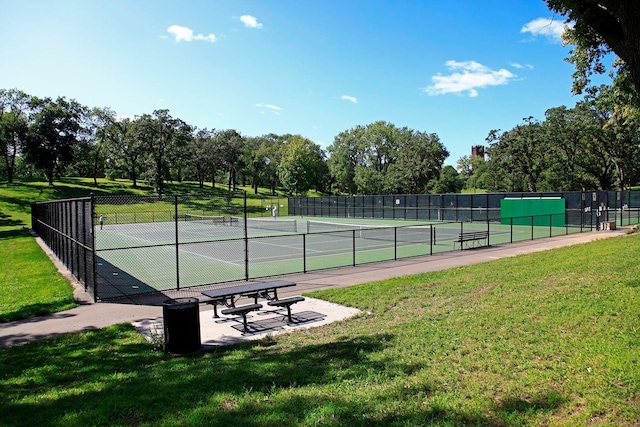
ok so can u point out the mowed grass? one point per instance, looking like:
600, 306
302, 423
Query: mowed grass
550, 338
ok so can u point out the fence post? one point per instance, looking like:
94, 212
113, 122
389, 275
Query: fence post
511, 229
488, 232
395, 243
93, 250
353, 246
246, 236
304, 253
175, 207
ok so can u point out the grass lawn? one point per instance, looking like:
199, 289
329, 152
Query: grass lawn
550, 338
544, 339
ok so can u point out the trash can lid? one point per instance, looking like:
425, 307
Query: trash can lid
180, 301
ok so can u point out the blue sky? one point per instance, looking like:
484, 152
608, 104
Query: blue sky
309, 67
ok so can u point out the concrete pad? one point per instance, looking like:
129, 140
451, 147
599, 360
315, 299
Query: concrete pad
227, 330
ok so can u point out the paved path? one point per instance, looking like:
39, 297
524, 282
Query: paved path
90, 316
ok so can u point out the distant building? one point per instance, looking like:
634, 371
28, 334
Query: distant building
477, 151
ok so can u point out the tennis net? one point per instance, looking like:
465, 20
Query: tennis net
285, 225
409, 234
207, 219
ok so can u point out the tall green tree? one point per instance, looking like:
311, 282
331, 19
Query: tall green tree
162, 135
621, 140
231, 145
54, 130
601, 27
420, 159
269, 155
345, 155
125, 150
449, 181
204, 156
382, 158
569, 132
524, 153
300, 157
91, 149
14, 110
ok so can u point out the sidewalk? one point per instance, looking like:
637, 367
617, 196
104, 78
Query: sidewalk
90, 315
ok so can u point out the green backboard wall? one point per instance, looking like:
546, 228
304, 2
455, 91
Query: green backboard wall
521, 210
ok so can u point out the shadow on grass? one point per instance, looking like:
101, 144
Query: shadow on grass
111, 377
12, 234
7, 221
31, 311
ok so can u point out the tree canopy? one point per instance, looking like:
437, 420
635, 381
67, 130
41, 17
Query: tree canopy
601, 27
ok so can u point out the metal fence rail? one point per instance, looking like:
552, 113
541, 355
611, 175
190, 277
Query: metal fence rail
155, 244
66, 227
586, 207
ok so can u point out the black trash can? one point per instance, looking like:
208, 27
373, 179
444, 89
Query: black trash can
181, 325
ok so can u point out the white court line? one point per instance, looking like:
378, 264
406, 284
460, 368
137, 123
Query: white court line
212, 258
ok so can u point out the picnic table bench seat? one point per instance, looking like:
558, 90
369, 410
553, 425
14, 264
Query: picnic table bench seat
286, 302
471, 237
242, 310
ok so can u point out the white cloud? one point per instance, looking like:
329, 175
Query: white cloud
270, 107
472, 76
250, 21
521, 66
186, 34
549, 28
349, 98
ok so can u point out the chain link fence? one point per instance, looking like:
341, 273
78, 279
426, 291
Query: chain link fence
587, 209
119, 247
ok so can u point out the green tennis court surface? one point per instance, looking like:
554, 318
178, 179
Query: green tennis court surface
144, 257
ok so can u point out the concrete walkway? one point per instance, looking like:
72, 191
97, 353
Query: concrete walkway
90, 316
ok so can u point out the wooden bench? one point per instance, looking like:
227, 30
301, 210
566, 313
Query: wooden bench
242, 310
471, 237
287, 302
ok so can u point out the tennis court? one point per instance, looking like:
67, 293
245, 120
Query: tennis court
198, 250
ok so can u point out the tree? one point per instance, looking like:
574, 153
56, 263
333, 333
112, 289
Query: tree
97, 121
448, 182
53, 132
600, 27
124, 149
523, 154
569, 132
161, 135
231, 145
299, 161
269, 155
346, 154
420, 158
621, 137
14, 108
204, 156
382, 158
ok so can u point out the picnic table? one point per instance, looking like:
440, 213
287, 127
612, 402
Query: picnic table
228, 296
